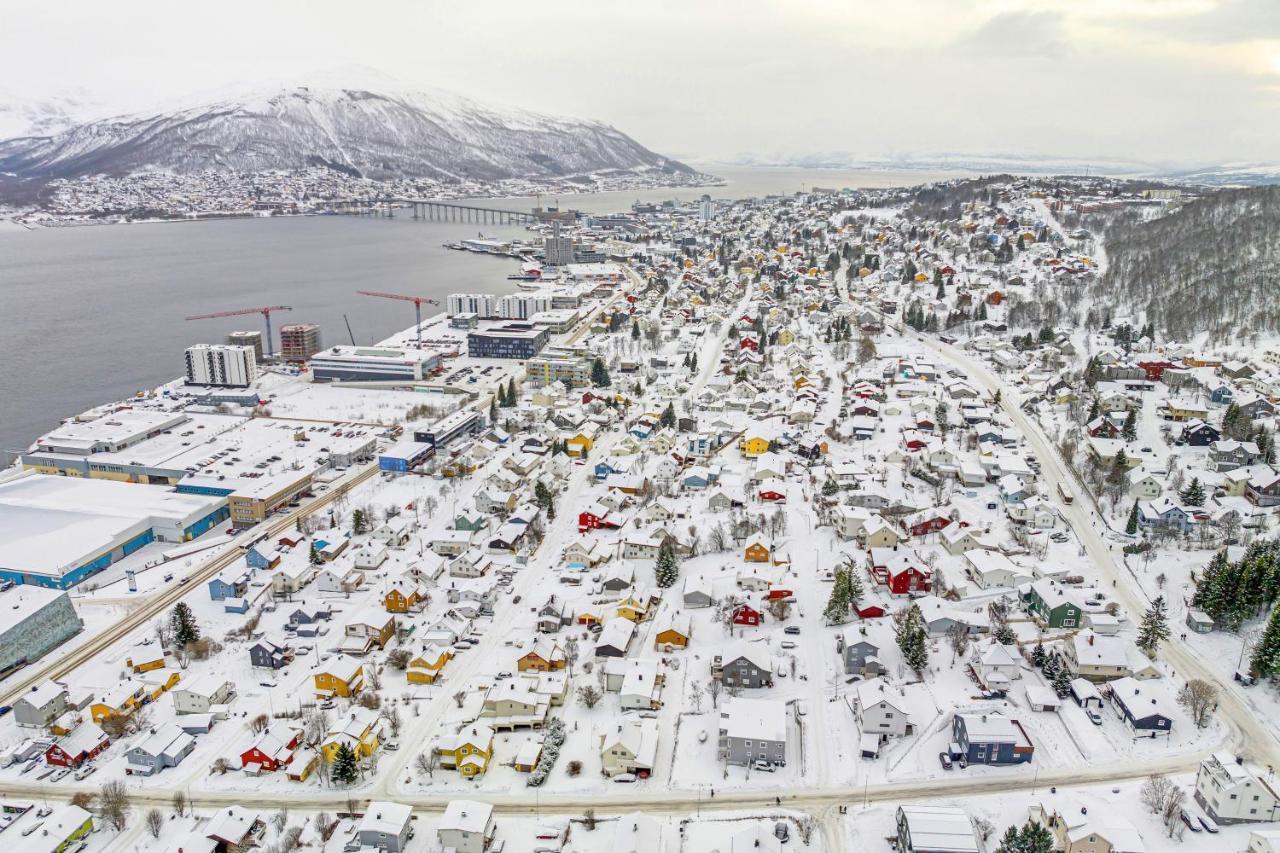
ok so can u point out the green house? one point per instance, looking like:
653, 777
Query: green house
1050, 604
62, 830
471, 522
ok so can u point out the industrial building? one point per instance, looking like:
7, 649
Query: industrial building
570, 366
247, 339
74, 448
595, 273
58, 531
557, 320
514, 340
35, 621
222, 365
373, 364
445, 430
299, 341
251, 499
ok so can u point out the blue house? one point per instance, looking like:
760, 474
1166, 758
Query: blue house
229, 584
989, 739
696, 478
258, 560
1222, 394
1140, 710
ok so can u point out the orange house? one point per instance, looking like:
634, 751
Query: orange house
756, 552
545, 656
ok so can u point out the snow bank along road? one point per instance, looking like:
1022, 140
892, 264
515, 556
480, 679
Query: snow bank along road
161, 601
1248, 736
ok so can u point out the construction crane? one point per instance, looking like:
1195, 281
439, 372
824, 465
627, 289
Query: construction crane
417, 306
265, 312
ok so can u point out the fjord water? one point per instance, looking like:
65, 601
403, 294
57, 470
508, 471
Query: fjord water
93, 314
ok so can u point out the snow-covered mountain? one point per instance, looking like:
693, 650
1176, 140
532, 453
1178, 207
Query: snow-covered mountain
25, 116
381, 133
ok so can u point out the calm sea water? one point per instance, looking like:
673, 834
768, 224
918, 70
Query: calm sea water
93, 314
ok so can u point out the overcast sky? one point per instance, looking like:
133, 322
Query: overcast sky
1170, 80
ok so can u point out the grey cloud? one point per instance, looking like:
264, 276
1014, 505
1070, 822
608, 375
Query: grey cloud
1025, 35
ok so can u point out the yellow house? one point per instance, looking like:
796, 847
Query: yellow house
581, 444
403, 597
426, 666
339, 677
119, 701
800, 381
674, 634
754, 444
756, 552
634, 608
469, 751
786, 336
359, 731
160, 683
145, 658
304, 762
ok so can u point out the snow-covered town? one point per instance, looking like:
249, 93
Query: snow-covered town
815, 521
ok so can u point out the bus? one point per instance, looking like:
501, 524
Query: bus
1065, 491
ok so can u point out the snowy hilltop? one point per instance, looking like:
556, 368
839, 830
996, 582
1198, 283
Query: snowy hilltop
371, 131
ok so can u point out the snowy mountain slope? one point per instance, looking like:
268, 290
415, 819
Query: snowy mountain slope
376, 134
25, 116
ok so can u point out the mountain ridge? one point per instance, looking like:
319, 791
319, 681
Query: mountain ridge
407, 133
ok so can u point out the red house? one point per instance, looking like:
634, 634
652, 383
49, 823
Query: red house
745, 614
85, 742
290, 540
272, 748
772, 494
1155, 368
914, 441
899, 571
925, 522
870, 611
748, 342
595, 517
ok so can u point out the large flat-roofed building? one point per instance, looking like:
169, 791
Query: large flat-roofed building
595, 273
450, 427
553, 364
221, 365
514, 340
58, 531
108, 433
513, 306
558, 320
403, 456
35, 621
252, 503
299, 341
373, 364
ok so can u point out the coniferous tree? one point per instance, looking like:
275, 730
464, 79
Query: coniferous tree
344, 765
1132, 526
1193, 494
1266, 654
1061, 683
359, 521
183, 625
599, 374
512, 396
913, 641
1130, 429
1031, 838
666, 572
1155, 627
313, 555
668, 417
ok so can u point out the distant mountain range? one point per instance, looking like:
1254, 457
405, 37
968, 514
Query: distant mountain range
376, 133
1243, 174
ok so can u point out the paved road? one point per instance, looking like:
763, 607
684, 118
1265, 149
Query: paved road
1247, 735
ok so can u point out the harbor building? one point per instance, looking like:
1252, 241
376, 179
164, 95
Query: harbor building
373, 364
247, 339
299, 341
513, 340
36, 621
58, 531
222, 365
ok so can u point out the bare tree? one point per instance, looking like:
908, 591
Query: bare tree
958, 636
155, 822
1155, 792
179, 803
291, 839
259, 723
589, 695
115, 804
324, 825
1199, 698
713, 690
460, 697
280, 819
695, 697
1173, 812
315, 726
392, 716
426, 762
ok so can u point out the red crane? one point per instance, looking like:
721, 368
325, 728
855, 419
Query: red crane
417, 305
265, 312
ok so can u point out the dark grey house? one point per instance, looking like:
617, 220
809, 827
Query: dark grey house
989, 739
743, 665
1138, 707
267, 655
861, 656
753, 730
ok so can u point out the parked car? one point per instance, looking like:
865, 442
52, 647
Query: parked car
761, 765
1208, 823
1094, 716
1191, 822
792, 629
625, 777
